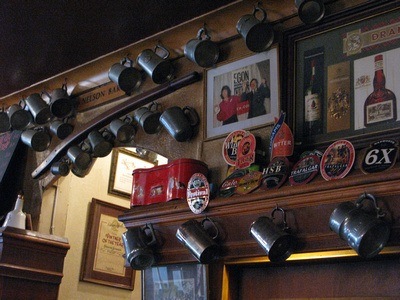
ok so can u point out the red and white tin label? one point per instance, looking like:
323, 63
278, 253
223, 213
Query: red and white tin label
338, 159
198, 193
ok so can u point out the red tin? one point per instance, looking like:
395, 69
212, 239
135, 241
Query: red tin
164, 183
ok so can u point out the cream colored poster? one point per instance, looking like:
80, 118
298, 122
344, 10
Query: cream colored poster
109, 248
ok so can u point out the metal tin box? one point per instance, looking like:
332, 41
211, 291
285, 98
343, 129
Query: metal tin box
164, 183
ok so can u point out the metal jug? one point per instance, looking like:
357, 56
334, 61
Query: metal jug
202, 50
276, 242
257, 33
159, 68
137, 242
202, 245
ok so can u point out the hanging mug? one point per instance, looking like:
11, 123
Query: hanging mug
128, 78
79, 157
366, 232
257, 33
18, 116
123, 130
159, 68
148, 118
202, 50
310, 11
38, 139
60, 168
39, 109
100, 146
4, 121
180, 123
137, 242
61, 129
60, 103
193, 235
276, 242
81, 173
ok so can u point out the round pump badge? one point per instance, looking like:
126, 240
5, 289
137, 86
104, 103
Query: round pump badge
198, 193
337, 160
230, 146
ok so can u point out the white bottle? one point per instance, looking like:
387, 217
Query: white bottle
16, 218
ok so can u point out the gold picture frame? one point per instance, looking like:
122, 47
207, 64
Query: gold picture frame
103, 261
123, 162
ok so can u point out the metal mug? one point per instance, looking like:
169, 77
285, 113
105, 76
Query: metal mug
276, 242
99, 145
159, 68
193, 235
61, 129
148, 118
202, 50
79, 157
81, 173
128, 78
123, 130
60, 168
39, 109
180, 123
61, 105
4, 121
366, 232
310, 11
19, 118
37, 138
257, 33
137, 242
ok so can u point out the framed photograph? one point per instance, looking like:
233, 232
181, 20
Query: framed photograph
173, 282
242, 94
123, 162
342, 82
103, 261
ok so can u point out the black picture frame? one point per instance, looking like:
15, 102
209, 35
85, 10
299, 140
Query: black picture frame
334, 36
176, 281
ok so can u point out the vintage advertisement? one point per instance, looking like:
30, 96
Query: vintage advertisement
109, 250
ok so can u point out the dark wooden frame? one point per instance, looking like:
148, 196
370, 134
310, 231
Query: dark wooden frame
91, 247
339, 23
112, 189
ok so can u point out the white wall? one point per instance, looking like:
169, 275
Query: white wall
72, 196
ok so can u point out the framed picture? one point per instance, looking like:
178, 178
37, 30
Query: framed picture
103, 251
180, 281
123, 162
242, 94
342, 82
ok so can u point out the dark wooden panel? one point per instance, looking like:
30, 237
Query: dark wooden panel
378, 278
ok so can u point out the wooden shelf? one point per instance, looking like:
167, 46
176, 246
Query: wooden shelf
308, 209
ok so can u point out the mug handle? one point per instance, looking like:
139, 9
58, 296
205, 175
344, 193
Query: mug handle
166, 52
154, 106
192, 115
126, 60
258, 8
128, 119
213, 224
152, 236
379, 213
285, 226
203, 32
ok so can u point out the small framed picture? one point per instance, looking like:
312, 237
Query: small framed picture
242, 94
180, 281
123, 162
